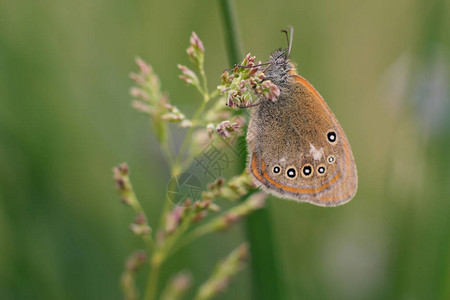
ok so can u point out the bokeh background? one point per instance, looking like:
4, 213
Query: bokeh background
66, 120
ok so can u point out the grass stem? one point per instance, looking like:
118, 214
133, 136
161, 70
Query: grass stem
266, 279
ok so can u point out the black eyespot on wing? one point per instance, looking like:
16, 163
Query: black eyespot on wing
307, 171
331, 159
331, 136
291, 173
276, 169
321, 169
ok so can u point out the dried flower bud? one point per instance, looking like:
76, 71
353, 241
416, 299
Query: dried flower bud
188, 76
140, 219
123, 185
127, 280
210, 129
196, 42
201, 205
171, 117
145, 68
140, 226
177, 286
225, 128
230, 219
149, 98
142, 107
269, 90
257, 200
216, 184
196, 50
139, 93
187, 203
123, 169
199, 216
245, 83
174, 114
225, 77
231, 97
223, 273
140, 229
234, 189
182, 281
139, 79
214, 207
173, 219
238, 212
135, 260
186, 124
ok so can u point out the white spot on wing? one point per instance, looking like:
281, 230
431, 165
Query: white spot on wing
316, 153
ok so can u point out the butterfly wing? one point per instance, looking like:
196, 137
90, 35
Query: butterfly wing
298, 149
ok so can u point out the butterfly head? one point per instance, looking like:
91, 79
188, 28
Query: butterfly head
280, 67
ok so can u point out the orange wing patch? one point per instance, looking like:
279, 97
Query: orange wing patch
308, 86
289, 188
255, 170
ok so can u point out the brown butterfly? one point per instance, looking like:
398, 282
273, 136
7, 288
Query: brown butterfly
297, 148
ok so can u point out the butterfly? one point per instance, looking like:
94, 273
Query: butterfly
297, 148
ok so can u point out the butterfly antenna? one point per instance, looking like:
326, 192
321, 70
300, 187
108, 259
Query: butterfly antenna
289, 37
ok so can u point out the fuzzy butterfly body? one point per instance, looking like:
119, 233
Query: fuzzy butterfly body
297, 148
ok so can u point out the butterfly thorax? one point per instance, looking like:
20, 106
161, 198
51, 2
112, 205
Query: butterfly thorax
281, 67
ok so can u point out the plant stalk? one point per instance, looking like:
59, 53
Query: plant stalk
150, 293
232, 39
266, 278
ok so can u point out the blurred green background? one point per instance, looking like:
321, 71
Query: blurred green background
66, 120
